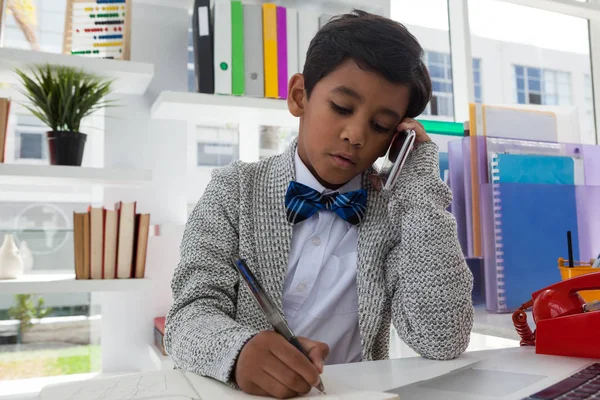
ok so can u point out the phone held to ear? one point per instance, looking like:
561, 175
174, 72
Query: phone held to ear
566, 325
396, 156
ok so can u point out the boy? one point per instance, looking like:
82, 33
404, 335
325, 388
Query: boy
341, 270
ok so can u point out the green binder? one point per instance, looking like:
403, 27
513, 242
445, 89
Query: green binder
237, 48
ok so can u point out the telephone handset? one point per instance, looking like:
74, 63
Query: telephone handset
396, 156
565, 323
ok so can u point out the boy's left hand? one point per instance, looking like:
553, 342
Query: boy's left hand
421, 137
409, 123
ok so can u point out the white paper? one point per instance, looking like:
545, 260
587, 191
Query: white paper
164, 385
211, 389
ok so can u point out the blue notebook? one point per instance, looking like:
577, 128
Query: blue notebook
530, 168
531, 223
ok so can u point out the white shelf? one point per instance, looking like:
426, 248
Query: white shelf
161, 362
65, 282
56, 175
216, 110
130, 77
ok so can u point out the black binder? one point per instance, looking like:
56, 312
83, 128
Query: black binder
203, 47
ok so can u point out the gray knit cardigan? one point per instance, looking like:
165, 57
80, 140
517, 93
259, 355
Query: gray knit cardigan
411, 270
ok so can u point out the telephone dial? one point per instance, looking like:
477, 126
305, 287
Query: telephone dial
566, 324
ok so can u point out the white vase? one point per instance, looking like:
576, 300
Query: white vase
11, 264
26, 256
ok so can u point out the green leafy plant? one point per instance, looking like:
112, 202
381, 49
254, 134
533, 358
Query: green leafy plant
26, 309
62, 96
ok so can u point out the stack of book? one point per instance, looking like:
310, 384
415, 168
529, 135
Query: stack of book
110, 244
159, 334
4, 112
250, 49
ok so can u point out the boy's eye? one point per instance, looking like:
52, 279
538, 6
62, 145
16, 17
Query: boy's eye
380, 128
340, 110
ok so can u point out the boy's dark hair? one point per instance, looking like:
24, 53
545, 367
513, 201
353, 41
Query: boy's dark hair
377, 44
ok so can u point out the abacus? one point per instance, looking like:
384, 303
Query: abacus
98, 28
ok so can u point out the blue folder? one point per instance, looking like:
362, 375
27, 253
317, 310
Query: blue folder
534, 220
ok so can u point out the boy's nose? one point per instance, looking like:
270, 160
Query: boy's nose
354, 134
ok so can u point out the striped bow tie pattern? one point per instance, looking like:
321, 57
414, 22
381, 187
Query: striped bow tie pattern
302, 202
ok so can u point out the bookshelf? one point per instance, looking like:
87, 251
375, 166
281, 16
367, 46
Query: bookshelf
214, 110
130, 77
65, 282
57, 175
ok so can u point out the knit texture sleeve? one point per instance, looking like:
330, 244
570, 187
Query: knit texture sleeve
201, 335
432, 285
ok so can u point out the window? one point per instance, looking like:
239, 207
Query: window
43, 233
427, 20
440, 70
536, 65
537, 86
216, 146
477, 80
48, 18
31, 146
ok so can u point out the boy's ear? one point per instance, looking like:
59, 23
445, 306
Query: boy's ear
296, 95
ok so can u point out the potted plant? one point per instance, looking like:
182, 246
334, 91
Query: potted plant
62, 97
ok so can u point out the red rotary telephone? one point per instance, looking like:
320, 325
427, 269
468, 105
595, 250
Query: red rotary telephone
565, 324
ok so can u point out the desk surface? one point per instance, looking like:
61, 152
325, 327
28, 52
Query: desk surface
380, 376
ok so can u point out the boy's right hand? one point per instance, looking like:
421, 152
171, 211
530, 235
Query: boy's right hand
269, 365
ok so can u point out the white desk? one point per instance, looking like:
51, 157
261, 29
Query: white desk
380, 376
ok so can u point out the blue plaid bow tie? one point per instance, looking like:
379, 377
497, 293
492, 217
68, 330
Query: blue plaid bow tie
303, 201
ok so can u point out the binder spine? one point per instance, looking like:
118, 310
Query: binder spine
498, 240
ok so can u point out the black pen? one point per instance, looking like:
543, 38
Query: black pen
266, 305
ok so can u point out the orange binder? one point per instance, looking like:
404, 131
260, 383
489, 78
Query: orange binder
270, 50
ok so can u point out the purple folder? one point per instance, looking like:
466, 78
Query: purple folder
282, 64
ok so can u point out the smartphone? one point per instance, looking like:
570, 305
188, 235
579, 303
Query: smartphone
395, 157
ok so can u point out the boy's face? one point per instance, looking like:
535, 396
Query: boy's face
348, 122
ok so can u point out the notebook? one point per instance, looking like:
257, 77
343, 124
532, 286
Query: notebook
176, 385
525, 232
531, 168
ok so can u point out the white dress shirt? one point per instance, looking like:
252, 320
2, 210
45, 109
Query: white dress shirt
320, 299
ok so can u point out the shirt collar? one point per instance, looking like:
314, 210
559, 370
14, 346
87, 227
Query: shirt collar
305, 177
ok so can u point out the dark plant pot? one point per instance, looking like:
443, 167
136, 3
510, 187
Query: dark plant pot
66, 148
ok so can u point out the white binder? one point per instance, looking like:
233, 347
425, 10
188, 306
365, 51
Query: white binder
308, 25
292, 42
222, 48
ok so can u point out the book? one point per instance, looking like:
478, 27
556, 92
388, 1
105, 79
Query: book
111, 234
159, 334
142, 231
203, 47
126, 237
4, 114
96, 242
81, 245
176, 385
270, 50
